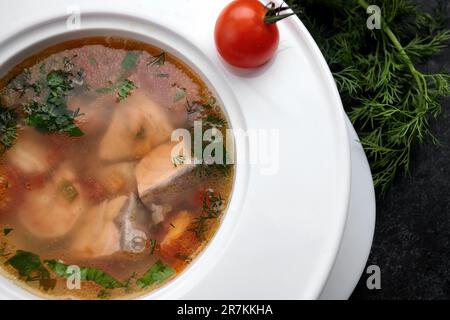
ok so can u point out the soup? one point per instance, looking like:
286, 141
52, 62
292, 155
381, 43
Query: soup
95, 201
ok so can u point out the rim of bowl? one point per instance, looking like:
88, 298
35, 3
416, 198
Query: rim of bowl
24, 40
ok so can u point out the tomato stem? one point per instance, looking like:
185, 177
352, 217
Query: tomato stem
274, 14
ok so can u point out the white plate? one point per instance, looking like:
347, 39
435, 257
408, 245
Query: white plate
359, 229
281, 235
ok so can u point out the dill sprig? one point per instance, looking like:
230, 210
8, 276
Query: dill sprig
389, 100
8, 128
213, 205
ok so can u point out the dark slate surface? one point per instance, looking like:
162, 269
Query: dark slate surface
412, 237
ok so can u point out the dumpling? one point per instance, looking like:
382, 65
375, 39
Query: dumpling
137, 125
117, 178
94, 113
159, 180
53, 210
28, 154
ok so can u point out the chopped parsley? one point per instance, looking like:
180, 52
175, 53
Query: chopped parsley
49, 118
30, 268
87, 274
156, 274
124, 89
53, 115
130, 60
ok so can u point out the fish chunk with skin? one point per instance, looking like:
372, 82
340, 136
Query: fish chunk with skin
137, 125
110, 227
52, 211
132, 238
159, 212
159, 180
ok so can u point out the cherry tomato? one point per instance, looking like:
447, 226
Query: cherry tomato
242, 36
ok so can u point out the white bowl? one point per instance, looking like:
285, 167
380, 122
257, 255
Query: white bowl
295, 218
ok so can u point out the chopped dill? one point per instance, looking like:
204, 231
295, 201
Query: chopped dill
158, 60
213, 205
152, 246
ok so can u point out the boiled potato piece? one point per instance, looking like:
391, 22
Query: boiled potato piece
53, 210
137, 125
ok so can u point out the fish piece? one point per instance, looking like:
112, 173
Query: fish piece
111, 227
53, 210
137, 125
99, 235
159, 180
159, 212
132, 238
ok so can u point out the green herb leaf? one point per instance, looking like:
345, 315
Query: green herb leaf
54, 116
124, 89
49, 118
7, 231
30, 268
130, 60
68, 191
106, 89
87, 274
180, 94
104, 294
152, 246
8, 128
156, 274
